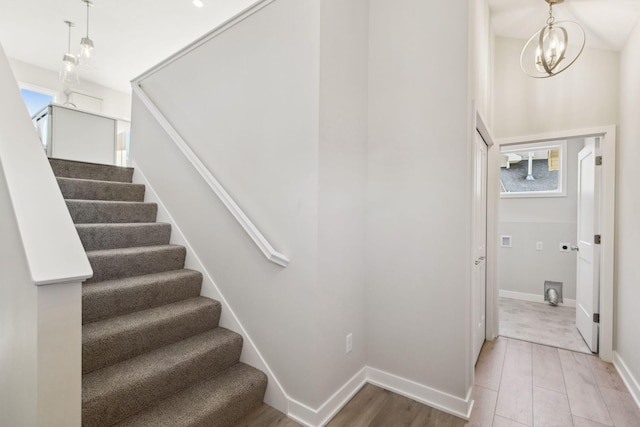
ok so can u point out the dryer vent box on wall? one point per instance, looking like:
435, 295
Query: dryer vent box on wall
548, 284
505, 241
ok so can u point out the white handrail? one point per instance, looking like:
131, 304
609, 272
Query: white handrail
248, 226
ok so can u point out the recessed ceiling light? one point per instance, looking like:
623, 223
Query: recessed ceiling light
198, 3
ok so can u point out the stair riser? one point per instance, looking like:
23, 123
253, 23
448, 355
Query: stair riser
112, 236
108, 349
122, 402
81, 170
100, 190
92, 212
117, 265
107, 299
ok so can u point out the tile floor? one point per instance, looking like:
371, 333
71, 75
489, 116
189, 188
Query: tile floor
523, 384
541, 323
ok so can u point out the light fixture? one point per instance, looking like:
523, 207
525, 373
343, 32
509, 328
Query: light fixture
552, 49
69, 71
87, 51
198, 3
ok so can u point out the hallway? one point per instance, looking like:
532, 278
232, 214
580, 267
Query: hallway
517, 384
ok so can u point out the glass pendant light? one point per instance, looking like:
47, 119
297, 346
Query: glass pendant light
69, 71
87, 51
548, 52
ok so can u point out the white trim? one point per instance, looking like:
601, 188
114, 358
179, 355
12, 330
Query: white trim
275, 395
421, 393
258, 238
54, 94
561, 191
607, 221
491, 300
254, 8
533, 298
627, 377
437, 399
307, 416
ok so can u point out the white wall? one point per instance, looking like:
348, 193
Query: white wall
584, 96
18, 324
481, 58
115, 103
322, 119
254, 90
418, 203
550, 220
627, 315
342, 177
42, 265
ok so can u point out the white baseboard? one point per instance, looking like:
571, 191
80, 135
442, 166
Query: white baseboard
421, 393
533, 297
310, 417
629, 380
275, 394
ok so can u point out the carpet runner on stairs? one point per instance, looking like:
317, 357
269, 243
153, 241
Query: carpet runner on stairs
152, 351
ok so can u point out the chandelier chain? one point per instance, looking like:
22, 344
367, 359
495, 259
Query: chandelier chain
550, 19
87, 19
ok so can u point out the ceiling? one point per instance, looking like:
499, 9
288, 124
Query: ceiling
607, 23
132, 36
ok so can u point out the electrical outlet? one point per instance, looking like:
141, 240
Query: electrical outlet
539, 246
349, 343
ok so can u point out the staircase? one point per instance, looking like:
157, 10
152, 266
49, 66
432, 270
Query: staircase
152, 351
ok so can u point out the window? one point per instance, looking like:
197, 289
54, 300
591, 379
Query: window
35, 101
533, 169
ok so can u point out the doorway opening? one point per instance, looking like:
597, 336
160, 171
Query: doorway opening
538, 219
538, 235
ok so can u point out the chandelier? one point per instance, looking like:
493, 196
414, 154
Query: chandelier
554, 48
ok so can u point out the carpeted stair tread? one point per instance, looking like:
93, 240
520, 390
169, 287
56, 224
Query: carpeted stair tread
86, 170
153, 353
118, 391
109, 264
101, 211
120, 338
123, 235
122, 296
88, 189
219, 401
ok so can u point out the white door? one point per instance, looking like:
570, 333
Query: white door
479, 244
587, 280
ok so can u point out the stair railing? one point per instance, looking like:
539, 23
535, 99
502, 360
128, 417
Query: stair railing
249, 227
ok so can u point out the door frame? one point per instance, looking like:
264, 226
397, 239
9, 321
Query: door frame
607, 227
491, 286
479, 139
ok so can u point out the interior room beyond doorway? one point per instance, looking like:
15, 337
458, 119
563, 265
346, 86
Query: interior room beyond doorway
537, 228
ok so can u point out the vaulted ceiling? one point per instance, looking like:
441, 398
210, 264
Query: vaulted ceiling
607, 23
131, 36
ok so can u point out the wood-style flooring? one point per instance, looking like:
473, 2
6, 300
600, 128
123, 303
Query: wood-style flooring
541, 323
517, 384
